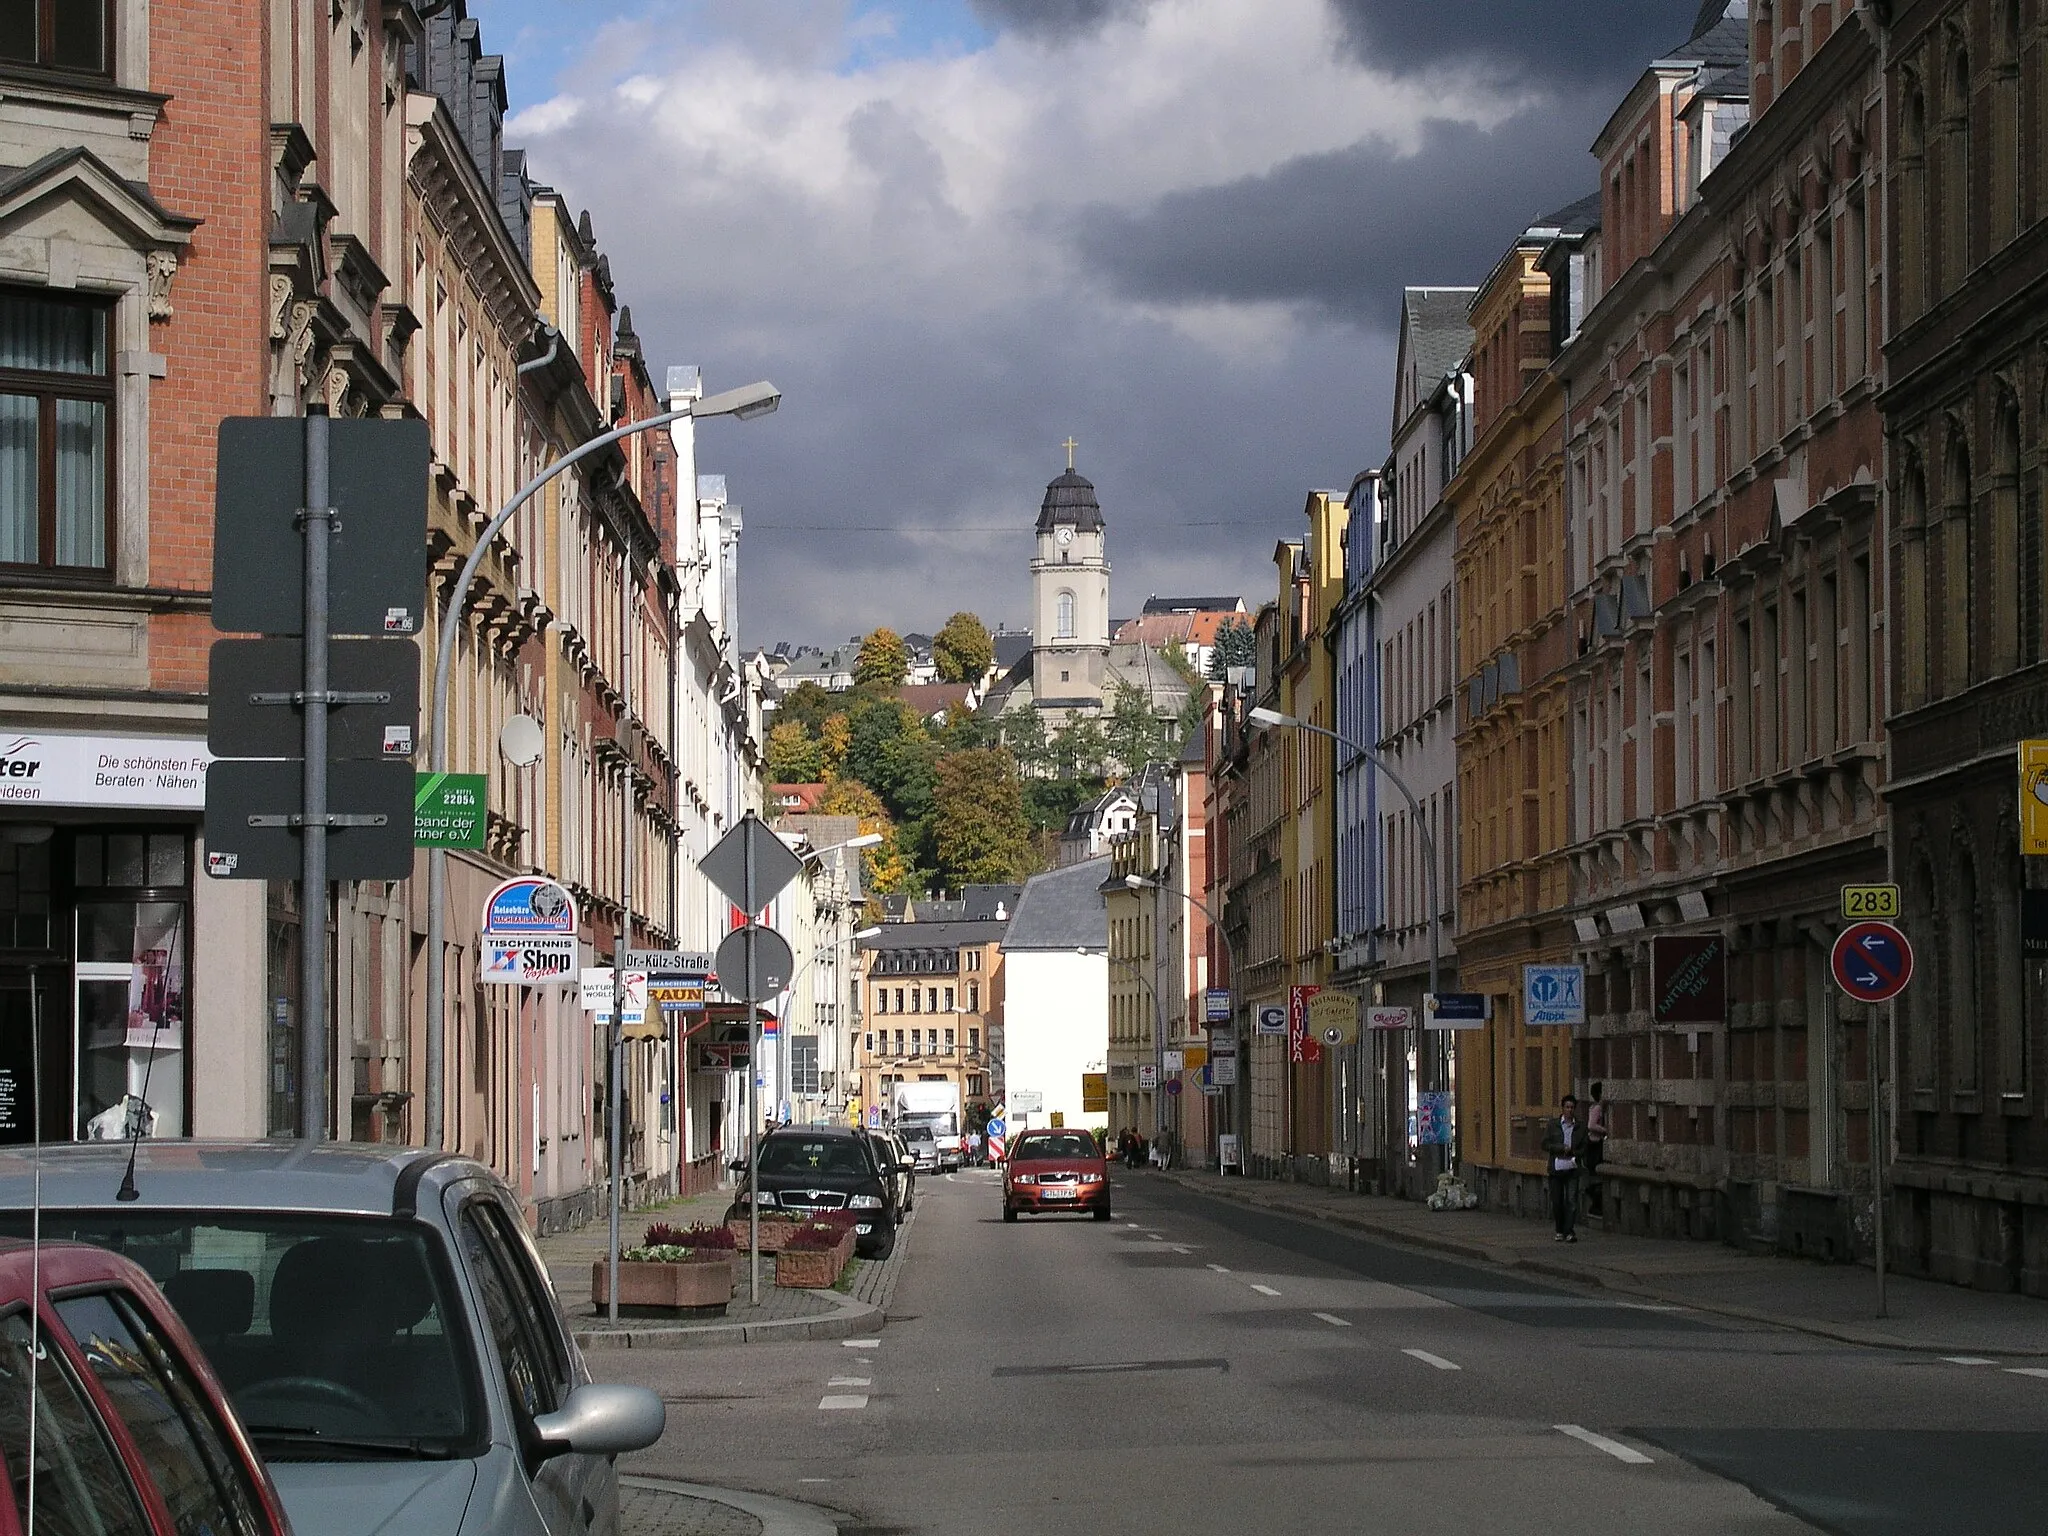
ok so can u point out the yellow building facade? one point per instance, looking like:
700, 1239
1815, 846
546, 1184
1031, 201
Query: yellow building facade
1508, 502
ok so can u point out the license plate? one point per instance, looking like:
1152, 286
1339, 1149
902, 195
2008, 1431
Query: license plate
1058, 1194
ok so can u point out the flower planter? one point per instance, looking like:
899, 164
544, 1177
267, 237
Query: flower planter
773, 1234
813, 1269
693, 1287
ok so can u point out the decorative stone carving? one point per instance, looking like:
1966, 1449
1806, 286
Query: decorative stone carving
163, 266
280, 304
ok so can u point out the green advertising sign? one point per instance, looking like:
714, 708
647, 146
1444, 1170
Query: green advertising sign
448, 810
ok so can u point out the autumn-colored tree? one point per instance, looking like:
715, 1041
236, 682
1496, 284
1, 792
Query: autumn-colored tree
962, 650
883, 661
979, 831
834, 736
794, 755
883, 867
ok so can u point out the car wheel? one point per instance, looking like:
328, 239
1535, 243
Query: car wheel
1102, 1213
878, 1246
1009, 1213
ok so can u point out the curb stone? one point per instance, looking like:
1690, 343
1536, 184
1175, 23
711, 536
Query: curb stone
1509, 1259
778, 1517
847, 1318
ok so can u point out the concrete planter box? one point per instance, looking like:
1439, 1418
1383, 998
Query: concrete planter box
773, 1234
697, 1287
813, 1269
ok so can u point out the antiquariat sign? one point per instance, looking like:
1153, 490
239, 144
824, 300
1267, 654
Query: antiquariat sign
146, 772
1688, 978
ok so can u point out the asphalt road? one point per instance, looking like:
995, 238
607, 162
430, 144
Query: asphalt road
1198, 1367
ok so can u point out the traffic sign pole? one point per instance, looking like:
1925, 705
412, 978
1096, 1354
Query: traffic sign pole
317, 517
753, 1088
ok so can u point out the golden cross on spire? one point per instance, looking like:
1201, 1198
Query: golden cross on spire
1070, 445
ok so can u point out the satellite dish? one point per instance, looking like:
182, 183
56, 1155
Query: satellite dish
520, 742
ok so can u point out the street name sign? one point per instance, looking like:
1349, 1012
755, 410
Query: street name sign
671, 962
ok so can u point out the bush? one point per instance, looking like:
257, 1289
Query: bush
718, 1236
654, 1253
821, 1232
660, 1234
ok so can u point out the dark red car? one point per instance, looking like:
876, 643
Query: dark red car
134, 1435
1055, 1171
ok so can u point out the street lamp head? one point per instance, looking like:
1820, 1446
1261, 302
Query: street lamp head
865, 840
1263, 716
1140, 883
867, 933
746, 402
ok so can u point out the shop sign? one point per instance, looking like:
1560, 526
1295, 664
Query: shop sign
1553, 994
149, 772
1302, 1046
529, 906
1688, 978
1390, 1018
2034, 797
1148, 1076
448, 810
542, 961
1173, 1061
1333, 1018
1223, 1071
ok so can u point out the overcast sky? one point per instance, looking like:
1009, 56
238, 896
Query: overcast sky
956, 231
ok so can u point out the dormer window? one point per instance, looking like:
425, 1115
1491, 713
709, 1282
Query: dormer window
58, 34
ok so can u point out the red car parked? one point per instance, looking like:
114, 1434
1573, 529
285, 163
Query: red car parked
134, 1435
1055, 1171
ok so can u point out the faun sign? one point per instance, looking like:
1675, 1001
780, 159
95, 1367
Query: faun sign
1689, 979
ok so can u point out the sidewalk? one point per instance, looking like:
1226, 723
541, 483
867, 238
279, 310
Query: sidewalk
783, 1314
1836, 1301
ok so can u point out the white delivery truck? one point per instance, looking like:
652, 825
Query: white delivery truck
935, 1106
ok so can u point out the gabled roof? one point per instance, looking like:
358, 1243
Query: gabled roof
1157, 604
1434, 330
1720, 35
1062, 909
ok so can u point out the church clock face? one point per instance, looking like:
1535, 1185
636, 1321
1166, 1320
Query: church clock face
1065, 534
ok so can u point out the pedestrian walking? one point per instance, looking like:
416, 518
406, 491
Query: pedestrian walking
1564, 1143
1596, 1151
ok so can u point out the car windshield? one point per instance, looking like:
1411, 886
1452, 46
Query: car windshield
917, 1133
336, 1336
1045, 1149
812, 1155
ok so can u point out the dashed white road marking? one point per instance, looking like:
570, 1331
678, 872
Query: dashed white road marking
1265, 1290
1180, 1248
1614, 1448
1219, 1269
1155, 1237
1968, 1360
2027, 1370
1332, 1319
851, 1381
860, 1343
835, 1400
1436, 1360
1647, 1306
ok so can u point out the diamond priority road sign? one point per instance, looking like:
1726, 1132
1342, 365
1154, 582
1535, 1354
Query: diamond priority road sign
1872, 962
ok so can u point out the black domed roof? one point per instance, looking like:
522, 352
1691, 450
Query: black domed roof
1070, 499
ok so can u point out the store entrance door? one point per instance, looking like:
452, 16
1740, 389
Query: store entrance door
32, 995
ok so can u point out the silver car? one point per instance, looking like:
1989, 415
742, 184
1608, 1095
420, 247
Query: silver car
381, 1320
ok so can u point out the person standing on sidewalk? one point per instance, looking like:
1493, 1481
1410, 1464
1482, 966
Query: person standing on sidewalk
1564, 1143
1596, 1151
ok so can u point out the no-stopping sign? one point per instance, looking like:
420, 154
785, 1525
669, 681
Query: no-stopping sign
1872, 962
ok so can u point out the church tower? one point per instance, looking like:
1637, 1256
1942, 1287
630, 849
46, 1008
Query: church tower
1070, 598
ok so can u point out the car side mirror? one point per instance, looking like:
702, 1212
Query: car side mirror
599, 1420
738, 1165
908, 1165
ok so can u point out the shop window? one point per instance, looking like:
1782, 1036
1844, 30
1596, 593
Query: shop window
58, 34
56, 432
25, 888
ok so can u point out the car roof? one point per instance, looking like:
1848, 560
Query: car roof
816, 1130
351, 1177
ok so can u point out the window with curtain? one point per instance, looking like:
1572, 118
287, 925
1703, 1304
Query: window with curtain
58, 34
56, 432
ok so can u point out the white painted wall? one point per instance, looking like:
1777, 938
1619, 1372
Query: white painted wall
1055, 1027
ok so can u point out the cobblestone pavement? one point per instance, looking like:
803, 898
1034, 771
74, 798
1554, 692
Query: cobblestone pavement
658, 1512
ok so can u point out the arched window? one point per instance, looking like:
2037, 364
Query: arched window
1957, 499
1915, 259
2005, 127
1955, 168
1063, 617
1913, 636
2015, 582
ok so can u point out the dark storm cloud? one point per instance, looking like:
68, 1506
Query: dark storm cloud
1347, 230
1535, 42
1055, 19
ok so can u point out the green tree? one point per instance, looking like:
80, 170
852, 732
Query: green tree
794, 755
1235, 646
1135, 735
808, 705
1079, 749
883, 662
979, 832
962, 650
1023, 732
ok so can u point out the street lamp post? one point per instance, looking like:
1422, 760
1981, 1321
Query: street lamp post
744, 403
1273, 717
